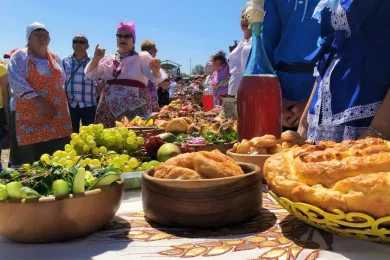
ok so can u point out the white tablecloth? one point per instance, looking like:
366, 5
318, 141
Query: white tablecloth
274, 235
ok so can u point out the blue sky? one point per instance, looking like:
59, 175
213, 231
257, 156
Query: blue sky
182, 29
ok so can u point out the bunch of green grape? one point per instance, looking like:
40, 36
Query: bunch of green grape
127, 163
121, 140
124, 161
95, 147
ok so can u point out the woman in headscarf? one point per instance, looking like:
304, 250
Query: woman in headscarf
126, 74
41, 121
149, 48
220, 76
352, 98
239, 57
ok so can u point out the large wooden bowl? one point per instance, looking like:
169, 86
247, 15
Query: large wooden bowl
203, 203
258, 160
51, 219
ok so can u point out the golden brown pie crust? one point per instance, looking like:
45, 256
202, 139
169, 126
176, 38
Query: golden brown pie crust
353, 176
199, 165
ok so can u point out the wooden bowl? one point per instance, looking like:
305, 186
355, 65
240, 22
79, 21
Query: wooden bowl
203, 203
223, 148
258, 160
147, 130
51, 219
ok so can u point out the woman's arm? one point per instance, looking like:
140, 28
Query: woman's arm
17, 76
303, 125
151, 68
271, 29
94, 70
380, 125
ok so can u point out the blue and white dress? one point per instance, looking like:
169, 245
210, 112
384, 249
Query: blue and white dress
353, 66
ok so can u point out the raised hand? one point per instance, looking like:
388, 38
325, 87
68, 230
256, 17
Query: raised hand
155, 65
99, 53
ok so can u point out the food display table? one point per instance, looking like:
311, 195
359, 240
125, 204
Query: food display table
275, 234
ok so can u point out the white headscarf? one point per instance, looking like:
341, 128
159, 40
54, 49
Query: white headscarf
32, 27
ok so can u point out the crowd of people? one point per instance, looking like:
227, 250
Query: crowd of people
339, 47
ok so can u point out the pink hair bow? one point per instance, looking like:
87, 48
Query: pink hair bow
128, 26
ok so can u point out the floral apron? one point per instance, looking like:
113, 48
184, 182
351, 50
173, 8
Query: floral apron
31, 126
123, 97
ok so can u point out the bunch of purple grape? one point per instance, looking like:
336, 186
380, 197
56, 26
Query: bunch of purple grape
152, 144
185, 148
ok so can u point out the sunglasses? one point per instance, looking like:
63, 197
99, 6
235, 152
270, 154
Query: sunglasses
79, 42
40, 30
124, 36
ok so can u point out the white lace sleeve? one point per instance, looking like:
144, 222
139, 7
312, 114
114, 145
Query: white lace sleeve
17, 76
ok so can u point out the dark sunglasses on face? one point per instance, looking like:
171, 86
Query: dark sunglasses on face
79, 42
40, 30
124, 36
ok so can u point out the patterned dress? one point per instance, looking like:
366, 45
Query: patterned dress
353, 66
124, 99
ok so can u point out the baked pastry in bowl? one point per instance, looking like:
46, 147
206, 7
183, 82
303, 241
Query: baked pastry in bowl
353, 176
202, 189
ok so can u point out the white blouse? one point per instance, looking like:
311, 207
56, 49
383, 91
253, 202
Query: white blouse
136, 67
237, 63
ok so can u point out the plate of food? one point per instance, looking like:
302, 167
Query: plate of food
204, 134
178, 108
342, 188
202, 189
259, 149
140, 125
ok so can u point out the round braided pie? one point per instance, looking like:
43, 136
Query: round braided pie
353, 176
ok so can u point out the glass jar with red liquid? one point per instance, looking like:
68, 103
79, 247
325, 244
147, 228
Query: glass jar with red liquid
208, 98
259, 97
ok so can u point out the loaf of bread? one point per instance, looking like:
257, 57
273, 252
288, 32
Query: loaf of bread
199, 165
353, 176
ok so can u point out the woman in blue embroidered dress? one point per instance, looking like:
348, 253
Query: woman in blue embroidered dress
351, 98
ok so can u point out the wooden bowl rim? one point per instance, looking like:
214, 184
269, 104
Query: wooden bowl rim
140, 127
202, 145
143, 127
57, 199
229, 152
256, 169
